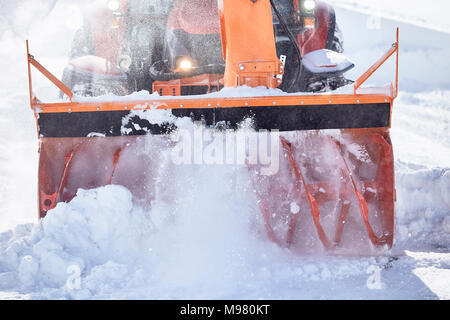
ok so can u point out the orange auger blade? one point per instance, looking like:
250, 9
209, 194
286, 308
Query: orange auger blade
344, 202
68, 164
314, 207
384, 184
49, 201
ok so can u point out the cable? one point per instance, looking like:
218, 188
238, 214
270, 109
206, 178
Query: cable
294, 43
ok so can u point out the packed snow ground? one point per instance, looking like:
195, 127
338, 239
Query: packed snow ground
430, 14
204, 245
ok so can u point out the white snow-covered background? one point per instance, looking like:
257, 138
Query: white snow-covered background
201, 246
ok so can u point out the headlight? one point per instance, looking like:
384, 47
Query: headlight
113, 5
185, 64
309, 5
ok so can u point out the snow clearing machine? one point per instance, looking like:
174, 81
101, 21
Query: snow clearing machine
334, 188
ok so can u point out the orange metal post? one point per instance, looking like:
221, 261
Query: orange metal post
396, 65
248, 43
30, 81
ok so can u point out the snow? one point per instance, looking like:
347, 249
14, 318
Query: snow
201, 245
120, 252
430, 14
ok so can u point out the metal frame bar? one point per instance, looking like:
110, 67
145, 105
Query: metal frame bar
33, 62
205, 102
366, 75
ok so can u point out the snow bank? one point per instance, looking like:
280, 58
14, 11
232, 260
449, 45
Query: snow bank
426, 220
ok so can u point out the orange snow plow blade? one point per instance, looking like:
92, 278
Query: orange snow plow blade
333, 191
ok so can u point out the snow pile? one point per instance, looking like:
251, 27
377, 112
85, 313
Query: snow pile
426, 220
96, 227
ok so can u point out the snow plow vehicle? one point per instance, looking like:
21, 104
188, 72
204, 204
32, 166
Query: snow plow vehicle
334, 188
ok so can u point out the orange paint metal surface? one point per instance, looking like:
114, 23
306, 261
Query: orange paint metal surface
248, 37
173, 87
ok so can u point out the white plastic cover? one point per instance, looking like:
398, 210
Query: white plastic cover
326, 61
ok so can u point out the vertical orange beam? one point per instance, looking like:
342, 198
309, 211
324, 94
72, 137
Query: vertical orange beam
30, 85
248, 43
396, 63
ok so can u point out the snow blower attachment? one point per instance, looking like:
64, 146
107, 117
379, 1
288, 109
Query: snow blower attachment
334, 190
